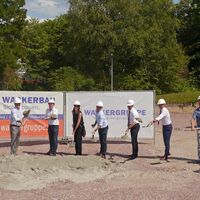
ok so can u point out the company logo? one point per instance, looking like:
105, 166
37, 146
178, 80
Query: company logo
35, 100
112, 112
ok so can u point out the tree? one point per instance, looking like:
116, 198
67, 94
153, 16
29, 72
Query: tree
44, 45
89, 40
160, 63
140, 34
68, 79
189, 35
12, 21
38, 61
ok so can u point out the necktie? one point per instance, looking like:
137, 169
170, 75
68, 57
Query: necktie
159, 114
129, 117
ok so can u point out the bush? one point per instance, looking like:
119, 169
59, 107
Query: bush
182, 97
69, 79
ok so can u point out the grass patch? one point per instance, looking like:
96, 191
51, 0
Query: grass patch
180, 98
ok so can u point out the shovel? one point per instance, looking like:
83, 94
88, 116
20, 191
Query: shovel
148, 125
72, 144
125, 136
92, 138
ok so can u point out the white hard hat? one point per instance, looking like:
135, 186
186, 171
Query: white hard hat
77, 103
198, 98
161, 101
130, 103
99, 104
51, 101
17, 100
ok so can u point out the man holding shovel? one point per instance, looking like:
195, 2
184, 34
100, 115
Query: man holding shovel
53, 122
196, 118
17, 121
165, 118
134, 127
15, 124
101, 125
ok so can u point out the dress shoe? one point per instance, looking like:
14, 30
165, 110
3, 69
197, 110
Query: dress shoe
169, 154
103, 156
98, 153
52, 154
164, 158
14, 154
133, 157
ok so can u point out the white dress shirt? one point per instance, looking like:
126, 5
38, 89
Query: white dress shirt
101, 119
16, 115
132, 115
54, 113
164, 117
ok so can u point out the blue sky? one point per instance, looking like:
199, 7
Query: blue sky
48, 9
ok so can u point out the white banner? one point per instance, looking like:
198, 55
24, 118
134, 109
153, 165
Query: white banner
37, 102
115, 110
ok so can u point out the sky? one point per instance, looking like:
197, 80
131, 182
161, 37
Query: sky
48, 9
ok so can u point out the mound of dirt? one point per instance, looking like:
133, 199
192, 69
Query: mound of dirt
28, 172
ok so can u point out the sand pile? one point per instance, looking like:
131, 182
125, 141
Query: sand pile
28, 172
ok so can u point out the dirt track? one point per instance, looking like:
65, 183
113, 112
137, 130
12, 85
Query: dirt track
90, 177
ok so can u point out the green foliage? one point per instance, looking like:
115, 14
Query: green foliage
12, 81
12, 21
37, 44
182, 97
68, 79
189, 35
141, 35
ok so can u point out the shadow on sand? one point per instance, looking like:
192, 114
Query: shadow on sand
58, 153
26, 143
